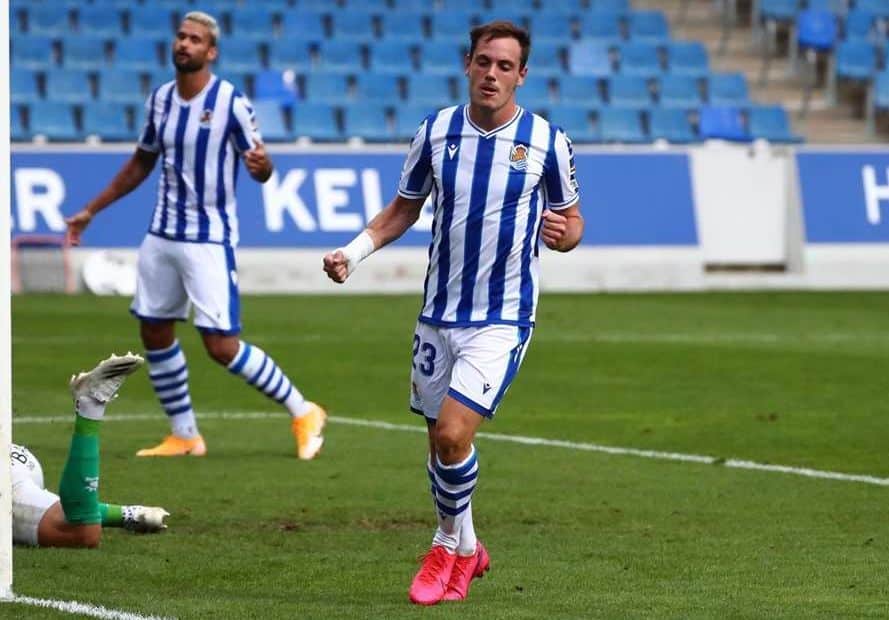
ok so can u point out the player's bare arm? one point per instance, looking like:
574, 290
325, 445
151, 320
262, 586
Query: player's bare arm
386, 227
562, 230
130, 176
258, 163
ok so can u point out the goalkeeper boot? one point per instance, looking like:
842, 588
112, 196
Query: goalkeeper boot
467, 568
102, 382
176, 446
144, 519
431, 581
307, 430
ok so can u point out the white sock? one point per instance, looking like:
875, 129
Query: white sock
454, 485
261, 371
89, 407
468, 541
168, 372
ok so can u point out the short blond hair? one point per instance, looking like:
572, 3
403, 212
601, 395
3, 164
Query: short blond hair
204, 19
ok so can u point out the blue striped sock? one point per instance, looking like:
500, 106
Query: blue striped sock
168, 372
454, 485
261, 371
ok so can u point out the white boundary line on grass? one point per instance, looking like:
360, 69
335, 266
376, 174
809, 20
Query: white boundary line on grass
530, 441
84, 609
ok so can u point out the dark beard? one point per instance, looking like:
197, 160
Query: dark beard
190, 66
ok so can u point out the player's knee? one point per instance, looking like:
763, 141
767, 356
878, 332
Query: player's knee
223, 351
450, 443
156, 335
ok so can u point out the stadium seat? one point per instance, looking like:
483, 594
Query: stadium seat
771, 123
408, 118
48, 20
579, 88
415, 6
590, 58
679, 91
859, 25
546, 59
136, 54
576, 121
86, 53
723, 123
99, 21
375, 88
252, 22
856, 60
524, 6
151, 21
68, 86
535, 92
671, 125
779, 11
158, 77
441, 58
120, 86
621, 125
688, 58
518, 18
628, 91
277, 86
391, 57
326, 88
453, 6
401, 26
336, 56
727, 89
17, 130
316, 121
241, 80
368, 6
308, 24
317, 6
621, 7
240, 55
23, 86
550, 27
881, 91
270, 119
293, 55
353, 26
880, 8
429, 91
837, 7
816, 30
649, 27
53, 120
603, 26
451, 26
32, 52
108, 121
640, 59
368, 122
567, 7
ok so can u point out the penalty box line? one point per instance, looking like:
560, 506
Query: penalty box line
83, 609
730, 463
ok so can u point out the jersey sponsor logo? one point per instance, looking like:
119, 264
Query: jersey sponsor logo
206, 118
518, 157
452, 150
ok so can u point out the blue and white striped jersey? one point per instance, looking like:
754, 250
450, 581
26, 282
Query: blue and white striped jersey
199, 142
488, 190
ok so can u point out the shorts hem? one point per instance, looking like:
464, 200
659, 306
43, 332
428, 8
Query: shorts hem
221, 332
156, 319
483, 323
468, 402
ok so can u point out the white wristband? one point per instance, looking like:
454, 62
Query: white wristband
358, 249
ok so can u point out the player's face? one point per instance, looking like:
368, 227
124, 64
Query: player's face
494, 73
193, 47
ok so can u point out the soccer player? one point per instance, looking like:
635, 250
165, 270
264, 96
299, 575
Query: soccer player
75, 517
498, 177
199, 125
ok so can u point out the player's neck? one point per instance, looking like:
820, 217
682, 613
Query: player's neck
190, 84
489, 120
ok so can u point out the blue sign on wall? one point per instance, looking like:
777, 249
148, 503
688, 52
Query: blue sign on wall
324, 199
845, 196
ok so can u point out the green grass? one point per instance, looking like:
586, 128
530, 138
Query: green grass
788, 378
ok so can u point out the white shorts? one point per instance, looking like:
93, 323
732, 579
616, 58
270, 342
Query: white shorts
174, 275
29, 504
474, 365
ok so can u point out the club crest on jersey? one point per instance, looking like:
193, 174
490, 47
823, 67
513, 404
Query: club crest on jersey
206, 118
518, 157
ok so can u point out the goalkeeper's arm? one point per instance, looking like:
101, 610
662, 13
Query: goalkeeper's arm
387, 226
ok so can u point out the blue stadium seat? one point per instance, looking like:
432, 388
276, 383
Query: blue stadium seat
408, 118
679, 91
688, 58
32, 52
54, 120
576, 121
816, 30
621, 125
723, 123
316, 121
368, 122
859, 25
120, 86
294, 55
451, 26
415, 6
340, 57
277, 86
99, 21
524, 6
881, 91
401, 26
151, 21
880, 8
590, 58
368, 6
108, 121
136, 54
391, 57
302, 22
378, 88
575, 88
452, 6
535, 92
727, 89
621, 7
649, 26
241, 80
86, 53
856, 60
629, 91
270, 119
17, 130
604, 26
546, 59
640, 59
252, 22
671, 125
771, 123
48, 20
68, 86
441, 58
317, 6
567, 7
240, 55
550, 27
350, 25
326, 88
429, 90
780, 11
837, 7
23, 86
158, 77
516, 17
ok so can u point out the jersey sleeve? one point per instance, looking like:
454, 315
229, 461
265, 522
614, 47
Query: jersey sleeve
559, 175
245, 130
149, 139
416, 176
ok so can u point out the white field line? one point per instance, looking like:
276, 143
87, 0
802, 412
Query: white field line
519, 439
84, 609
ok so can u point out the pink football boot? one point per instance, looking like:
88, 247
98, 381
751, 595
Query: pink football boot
432, 579
467, 568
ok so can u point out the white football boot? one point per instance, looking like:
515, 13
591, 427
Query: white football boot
102, 382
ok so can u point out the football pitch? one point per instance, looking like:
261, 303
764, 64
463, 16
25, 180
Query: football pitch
790, 379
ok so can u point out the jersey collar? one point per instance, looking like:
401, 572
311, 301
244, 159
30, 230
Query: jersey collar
198, 96
487, 134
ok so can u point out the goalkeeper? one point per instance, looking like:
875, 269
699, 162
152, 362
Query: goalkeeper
75, 517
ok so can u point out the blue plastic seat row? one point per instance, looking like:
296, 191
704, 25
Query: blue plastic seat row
645, 59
